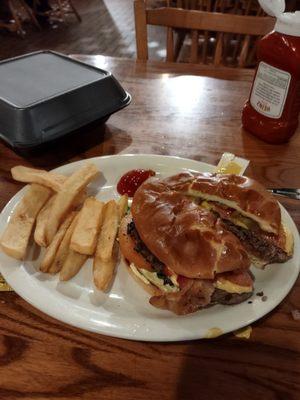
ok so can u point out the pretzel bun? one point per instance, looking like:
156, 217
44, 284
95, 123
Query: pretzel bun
186, 238
243, 194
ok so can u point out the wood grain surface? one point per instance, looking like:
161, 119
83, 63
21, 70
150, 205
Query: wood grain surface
184, 115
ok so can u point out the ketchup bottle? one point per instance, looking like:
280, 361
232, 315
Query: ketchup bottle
271, 113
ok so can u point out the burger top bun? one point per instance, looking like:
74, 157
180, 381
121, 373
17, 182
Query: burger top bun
243, 194
186, 238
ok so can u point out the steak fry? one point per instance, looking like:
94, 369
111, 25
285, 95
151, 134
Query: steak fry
16, 236
65, 198
32, 175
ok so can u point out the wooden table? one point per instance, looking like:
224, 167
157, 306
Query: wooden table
188, 116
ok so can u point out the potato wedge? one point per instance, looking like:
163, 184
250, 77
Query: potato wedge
65, 198
105, 259
52, 249
63, 248
73, 262
43, 217
15, 238
122, 206
80, 199
52, 180
108, 231
41, 223
84, 238
104, 270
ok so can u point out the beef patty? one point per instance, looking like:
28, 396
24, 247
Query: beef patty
221, 297
257, 245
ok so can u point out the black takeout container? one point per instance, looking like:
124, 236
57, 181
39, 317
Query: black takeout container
46, 95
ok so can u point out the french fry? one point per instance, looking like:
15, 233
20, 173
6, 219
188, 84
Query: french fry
80, 198
104, 270
41, 223
63, 248
16, 236
53, 247
73, 262
105, 259
43, 217
122, 206
108, 232
84, 238
52, 180
66, 196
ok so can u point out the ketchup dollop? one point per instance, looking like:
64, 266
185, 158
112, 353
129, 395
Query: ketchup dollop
130, 181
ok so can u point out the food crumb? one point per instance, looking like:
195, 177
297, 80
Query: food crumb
213, 333
296, 315
243, 333
264, 298
260, 294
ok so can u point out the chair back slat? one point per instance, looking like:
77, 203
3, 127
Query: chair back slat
141, 34
215, 31
203, 20
170, 45
194, 46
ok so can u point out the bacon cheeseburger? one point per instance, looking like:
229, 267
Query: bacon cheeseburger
180, 249
248, 211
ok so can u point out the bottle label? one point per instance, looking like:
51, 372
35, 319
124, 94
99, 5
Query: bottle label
270, 90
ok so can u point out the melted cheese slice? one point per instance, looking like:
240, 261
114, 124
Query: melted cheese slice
149, 277
230, 287
237, 219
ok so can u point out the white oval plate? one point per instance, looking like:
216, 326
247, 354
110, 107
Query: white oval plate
125, 312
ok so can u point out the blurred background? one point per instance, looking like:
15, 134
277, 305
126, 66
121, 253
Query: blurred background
106, 27
101, 26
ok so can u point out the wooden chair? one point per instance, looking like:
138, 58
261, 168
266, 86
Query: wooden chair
214, 21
